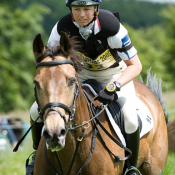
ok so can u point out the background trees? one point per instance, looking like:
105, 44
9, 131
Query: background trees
150, 26
18, 27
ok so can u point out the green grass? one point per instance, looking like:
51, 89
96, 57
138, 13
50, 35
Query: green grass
14, 163
170, 168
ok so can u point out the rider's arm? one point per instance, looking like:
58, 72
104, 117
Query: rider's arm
134, 67
129, 56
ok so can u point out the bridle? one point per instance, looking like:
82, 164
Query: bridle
52, 106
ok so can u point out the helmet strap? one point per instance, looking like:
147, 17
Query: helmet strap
97, 11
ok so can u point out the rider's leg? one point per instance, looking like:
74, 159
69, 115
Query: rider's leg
132, 142
36, 135
127, 100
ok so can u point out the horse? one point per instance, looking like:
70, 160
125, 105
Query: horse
69, 122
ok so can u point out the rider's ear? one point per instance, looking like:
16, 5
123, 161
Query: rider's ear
38, 47
65, 44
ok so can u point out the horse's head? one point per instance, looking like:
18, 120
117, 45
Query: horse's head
56, 86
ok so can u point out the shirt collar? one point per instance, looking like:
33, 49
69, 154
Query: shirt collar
97, 26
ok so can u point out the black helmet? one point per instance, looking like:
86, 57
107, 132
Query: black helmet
82, 2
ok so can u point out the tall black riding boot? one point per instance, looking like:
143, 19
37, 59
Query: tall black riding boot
36, 136
132, 142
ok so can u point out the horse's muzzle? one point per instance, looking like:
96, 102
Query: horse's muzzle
55, 141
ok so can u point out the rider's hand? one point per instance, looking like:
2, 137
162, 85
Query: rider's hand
108, 94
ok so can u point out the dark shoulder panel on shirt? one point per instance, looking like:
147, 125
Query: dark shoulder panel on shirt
65, 24
109, 24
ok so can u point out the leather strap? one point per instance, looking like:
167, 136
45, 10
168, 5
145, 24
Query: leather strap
54, 63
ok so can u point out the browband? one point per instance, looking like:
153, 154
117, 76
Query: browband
54, 63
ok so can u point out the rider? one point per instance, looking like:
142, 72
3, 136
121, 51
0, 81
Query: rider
109, 57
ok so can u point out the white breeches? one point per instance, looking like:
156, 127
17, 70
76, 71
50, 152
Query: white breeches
126, 96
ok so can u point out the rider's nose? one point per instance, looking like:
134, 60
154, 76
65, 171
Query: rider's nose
82, 13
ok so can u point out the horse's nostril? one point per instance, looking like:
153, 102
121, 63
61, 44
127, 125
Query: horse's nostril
63, 132
47, 136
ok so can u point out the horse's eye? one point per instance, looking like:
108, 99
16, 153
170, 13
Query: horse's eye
72, 81
37, 84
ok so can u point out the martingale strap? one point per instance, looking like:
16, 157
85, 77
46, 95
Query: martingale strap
74, 156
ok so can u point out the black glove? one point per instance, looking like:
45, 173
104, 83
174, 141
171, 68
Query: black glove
109, 94
107, 97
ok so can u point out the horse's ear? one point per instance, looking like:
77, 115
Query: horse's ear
65, 44
38, 47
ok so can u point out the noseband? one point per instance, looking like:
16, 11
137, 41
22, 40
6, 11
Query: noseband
52, 106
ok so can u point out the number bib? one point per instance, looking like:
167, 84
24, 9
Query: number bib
103, 61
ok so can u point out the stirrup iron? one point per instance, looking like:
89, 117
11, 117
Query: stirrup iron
133, 168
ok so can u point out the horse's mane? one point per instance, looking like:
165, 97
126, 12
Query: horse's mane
54, 50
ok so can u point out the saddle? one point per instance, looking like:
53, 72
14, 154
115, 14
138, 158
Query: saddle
144, 116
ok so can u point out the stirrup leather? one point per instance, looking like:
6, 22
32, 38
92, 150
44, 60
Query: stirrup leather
132, 168
32, 154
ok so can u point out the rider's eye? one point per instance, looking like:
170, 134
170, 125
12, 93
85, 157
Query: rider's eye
71, 81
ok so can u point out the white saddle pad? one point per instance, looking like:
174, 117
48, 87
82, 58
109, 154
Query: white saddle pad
142, 111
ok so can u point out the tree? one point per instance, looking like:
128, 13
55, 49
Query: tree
135, 13
169, 43
17, 30
149, 43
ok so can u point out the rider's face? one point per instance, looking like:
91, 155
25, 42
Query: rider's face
83, 15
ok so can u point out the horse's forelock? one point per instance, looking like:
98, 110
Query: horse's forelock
55, 50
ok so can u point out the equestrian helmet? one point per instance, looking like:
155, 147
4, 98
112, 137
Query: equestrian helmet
82, 2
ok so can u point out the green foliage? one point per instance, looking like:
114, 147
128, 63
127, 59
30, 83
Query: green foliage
155, 46
21, 20
58, 9
169, 43
151, 51
17, 30
136, 14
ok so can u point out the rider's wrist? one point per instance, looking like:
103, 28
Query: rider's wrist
118, 85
